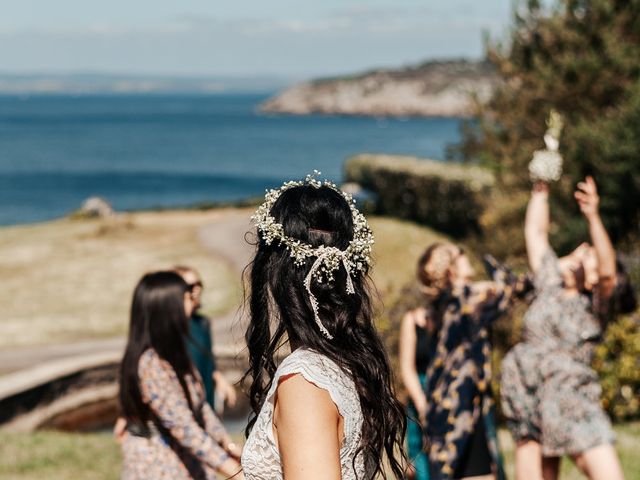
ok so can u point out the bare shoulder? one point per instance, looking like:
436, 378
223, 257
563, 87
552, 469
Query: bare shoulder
417, 316
303, 397
305, 415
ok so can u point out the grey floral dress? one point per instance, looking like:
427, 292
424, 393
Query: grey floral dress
549, 392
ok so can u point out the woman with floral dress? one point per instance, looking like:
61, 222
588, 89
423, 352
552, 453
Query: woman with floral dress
171, 431
550, 393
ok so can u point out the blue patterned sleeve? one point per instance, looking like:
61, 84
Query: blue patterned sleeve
161, 389
214, 426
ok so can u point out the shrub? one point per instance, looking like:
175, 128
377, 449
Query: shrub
581, 59
449, 197
617, 361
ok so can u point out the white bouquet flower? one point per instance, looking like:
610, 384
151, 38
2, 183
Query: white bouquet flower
546, 165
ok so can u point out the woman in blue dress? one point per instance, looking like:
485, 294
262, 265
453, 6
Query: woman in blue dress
459, 419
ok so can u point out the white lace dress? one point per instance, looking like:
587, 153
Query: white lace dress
260, 457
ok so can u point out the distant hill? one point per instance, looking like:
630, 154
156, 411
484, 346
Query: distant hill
89, 83
436, 88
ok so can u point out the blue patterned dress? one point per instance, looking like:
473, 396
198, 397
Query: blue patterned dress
459, 377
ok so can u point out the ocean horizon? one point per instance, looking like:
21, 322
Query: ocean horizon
170, 151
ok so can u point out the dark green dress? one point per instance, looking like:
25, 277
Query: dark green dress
200, 346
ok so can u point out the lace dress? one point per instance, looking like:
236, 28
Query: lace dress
549, 391
260, 457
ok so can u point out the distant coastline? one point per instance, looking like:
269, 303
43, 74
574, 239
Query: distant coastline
98, 83
432, 89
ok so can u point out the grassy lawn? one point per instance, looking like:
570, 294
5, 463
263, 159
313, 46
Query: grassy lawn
65, 456
70, 280
397, 248
628, 446
73, 279
62, 456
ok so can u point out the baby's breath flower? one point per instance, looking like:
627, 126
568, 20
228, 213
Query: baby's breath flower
355, 258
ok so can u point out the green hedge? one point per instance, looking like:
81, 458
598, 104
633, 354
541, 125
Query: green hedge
449, 197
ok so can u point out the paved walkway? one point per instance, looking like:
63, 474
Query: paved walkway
224, 239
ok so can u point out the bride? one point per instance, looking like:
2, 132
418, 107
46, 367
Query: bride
328, 410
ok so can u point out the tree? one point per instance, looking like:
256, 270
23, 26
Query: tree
582, 58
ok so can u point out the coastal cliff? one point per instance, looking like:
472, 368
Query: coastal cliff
433, 89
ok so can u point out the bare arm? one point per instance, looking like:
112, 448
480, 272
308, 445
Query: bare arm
225, 389
306, 426
536, 226
588, 199
408, 370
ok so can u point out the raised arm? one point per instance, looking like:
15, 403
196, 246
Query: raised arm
408, 339
536, 225
588, 200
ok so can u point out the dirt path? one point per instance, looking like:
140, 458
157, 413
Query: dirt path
228, 239
224, 239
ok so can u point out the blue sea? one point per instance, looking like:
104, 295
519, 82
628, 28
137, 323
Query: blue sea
148, 151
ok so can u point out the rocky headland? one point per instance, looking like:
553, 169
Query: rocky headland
432, 89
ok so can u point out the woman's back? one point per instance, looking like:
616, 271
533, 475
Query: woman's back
261, 458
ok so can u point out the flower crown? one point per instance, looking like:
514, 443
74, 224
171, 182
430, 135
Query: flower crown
355, 258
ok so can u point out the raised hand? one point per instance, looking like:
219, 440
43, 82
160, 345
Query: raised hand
587, 196
120, 430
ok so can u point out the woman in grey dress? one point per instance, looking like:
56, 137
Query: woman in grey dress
550, 394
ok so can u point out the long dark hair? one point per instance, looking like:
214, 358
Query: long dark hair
280, 310
158, 321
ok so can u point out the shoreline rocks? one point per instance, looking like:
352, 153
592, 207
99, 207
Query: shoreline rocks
96, 207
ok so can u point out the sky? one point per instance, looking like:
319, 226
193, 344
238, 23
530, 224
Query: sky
283, 38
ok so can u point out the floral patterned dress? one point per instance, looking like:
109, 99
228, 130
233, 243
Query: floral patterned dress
175, 447
549, 392
459, 377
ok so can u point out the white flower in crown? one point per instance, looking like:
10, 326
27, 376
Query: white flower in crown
355, 258
546, 165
